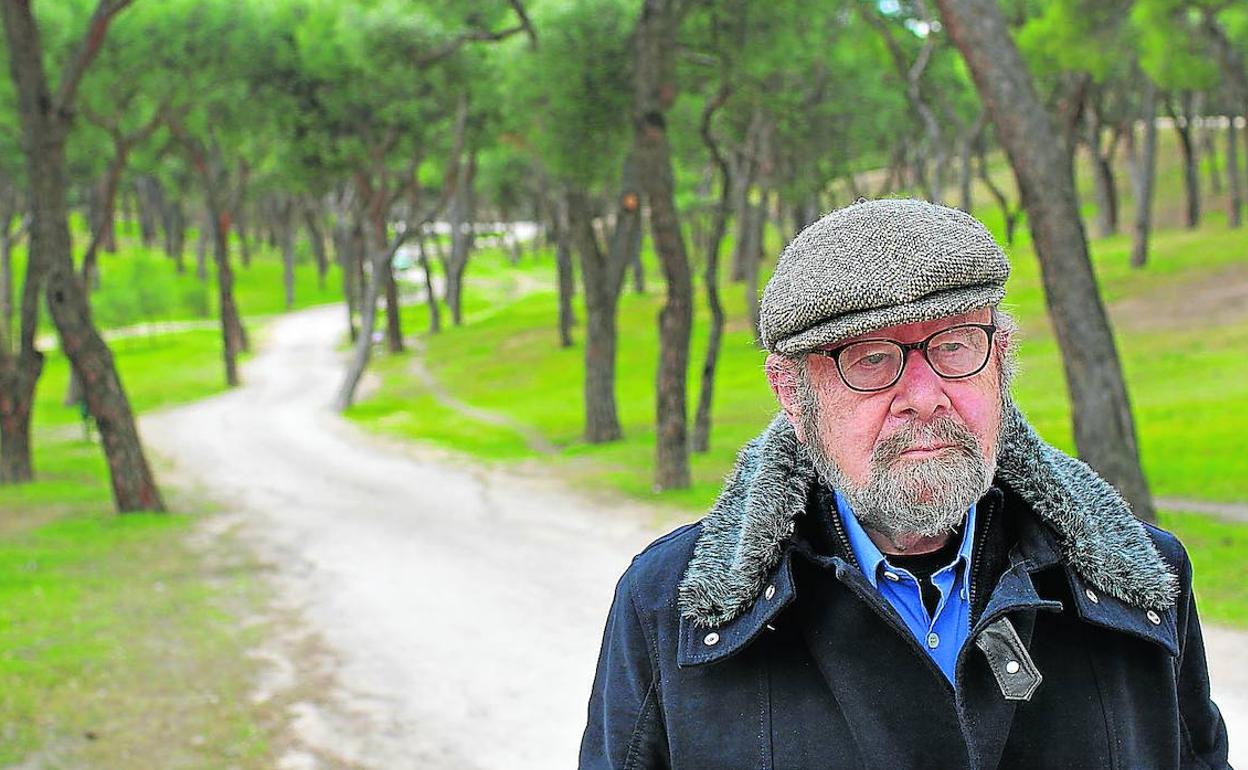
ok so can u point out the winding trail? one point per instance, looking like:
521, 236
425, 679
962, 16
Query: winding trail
444, 615
460, 610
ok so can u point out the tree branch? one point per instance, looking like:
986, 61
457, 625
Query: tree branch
481, 36
518, 7
86, 52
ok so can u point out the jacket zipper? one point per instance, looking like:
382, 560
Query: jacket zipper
976, 564
887, 612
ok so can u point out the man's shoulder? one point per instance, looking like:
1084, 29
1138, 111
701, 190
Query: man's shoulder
1171, 550
657, 570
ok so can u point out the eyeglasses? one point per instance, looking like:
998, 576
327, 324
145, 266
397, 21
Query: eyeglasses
872, 365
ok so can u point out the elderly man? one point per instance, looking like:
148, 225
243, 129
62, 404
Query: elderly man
899, 573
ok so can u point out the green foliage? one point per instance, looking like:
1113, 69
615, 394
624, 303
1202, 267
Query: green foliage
142, 288
1076, 35
1172, 50
570, 101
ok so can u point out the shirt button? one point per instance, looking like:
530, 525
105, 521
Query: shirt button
1088, 592
891, 576
770, 592
933, 640
1011, 667
710, 639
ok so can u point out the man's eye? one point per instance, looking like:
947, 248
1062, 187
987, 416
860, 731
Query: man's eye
951, 347
872, 359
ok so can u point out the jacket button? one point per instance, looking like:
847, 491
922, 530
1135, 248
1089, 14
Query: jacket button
1011, 667
770, 592
1088, 592
1154, 618
933, 640
710, 639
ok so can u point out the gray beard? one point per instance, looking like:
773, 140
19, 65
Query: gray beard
926, 497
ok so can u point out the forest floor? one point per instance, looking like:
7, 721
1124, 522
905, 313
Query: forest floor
432, 611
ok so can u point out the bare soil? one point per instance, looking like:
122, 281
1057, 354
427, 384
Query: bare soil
438, 614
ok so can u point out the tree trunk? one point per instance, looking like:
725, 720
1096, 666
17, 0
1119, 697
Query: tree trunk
231, 324
431, 298
462, 216
286, 211
8, 210
638, 269
1144, 179
45, 125
655, 91
1103, 426
756, 218
316, 237
344, 247
201, 250
1008, 214
368, 320
719, 227
148, 193
564, 271
1191, 177
602, 275
1102, 175
1235, 201
6, 287
966, 172
745, 168
18, 376
19, 373
242, 227
1207, 133
173, 217
394, 325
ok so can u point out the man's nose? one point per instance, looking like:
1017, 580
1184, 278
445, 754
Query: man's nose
920, 393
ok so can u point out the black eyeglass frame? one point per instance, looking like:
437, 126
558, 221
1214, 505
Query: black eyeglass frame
906, 347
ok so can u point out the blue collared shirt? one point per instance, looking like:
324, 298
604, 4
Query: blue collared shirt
943, 634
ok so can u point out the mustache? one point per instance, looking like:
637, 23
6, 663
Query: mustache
941, 431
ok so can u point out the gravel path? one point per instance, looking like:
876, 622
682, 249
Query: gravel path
448, 616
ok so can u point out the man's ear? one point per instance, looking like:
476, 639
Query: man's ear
782, 377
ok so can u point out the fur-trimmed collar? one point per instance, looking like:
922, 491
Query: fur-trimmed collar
744, 535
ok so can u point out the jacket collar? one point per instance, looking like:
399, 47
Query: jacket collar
743, 537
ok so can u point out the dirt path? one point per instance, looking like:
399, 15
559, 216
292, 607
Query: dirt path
459, 611
450, 616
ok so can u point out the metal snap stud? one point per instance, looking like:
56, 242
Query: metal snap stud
710, 639
770, 592
1092, 597
1153, 618
933, 640
892, 576
1011, 667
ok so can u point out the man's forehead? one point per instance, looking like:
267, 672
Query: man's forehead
916, 331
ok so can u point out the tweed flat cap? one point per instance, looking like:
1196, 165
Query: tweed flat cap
875, 264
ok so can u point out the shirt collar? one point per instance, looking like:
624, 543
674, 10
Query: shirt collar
870, 557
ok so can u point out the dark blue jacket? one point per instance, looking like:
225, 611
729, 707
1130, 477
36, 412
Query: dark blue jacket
815, 670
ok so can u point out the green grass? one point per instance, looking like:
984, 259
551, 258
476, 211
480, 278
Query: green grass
156, 370
140, 285
1219, 570
120, 645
